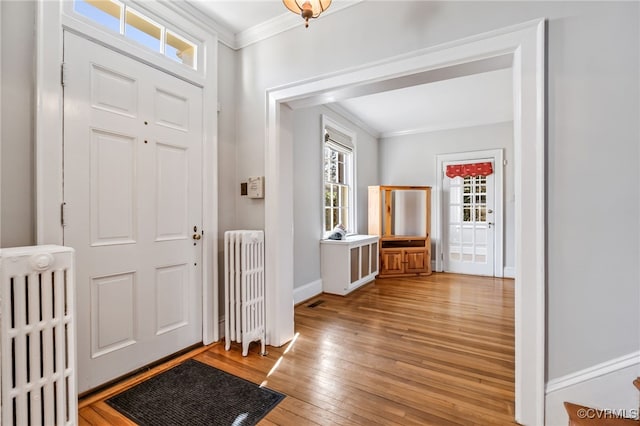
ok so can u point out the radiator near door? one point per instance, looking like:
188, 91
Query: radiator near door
244, 289
37, 336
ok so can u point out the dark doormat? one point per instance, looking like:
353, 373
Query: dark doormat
192, 394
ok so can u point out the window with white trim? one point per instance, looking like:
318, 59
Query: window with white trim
130, 23
338, 179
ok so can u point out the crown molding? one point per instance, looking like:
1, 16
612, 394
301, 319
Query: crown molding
441, 127
203, 20
341, 111
262, 31
280, 24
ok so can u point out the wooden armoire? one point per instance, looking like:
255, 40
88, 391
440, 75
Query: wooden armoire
400, 255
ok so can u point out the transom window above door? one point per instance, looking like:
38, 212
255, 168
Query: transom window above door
133, 25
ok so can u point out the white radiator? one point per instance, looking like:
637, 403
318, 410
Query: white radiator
244, 310
37, 336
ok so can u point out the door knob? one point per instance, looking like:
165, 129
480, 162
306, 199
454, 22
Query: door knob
490, 223
196, 236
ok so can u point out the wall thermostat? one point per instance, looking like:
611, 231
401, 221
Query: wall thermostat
255, 187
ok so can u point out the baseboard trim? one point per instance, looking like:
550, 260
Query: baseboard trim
307, 291
509, 272
608, 385
601, 369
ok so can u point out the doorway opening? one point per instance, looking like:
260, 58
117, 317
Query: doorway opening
524, 44
471, 216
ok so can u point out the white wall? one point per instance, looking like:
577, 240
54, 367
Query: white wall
307, 170
17, 109
228, 187
411, 160
592, 212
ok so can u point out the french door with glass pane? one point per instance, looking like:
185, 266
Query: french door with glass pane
469, 229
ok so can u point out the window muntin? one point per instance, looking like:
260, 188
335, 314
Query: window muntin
338, 186
132, 24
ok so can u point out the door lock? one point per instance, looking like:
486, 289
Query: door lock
196, 236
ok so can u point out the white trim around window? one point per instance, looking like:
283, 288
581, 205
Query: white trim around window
331, 123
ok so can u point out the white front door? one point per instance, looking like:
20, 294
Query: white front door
468, 240
132, 187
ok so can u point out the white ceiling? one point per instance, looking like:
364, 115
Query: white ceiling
458, 102
241, 15
444, 104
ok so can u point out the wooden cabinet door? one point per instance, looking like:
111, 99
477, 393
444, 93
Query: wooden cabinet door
416, 260
391, 262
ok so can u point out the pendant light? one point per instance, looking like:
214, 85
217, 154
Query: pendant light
307, 8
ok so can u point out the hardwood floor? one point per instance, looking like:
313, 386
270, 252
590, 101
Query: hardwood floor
435, 350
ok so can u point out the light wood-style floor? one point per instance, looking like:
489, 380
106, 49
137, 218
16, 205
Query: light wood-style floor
435, 350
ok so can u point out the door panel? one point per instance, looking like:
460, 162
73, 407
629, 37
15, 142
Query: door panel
416, 261
391, 262
468, 243
133, 188
113, 188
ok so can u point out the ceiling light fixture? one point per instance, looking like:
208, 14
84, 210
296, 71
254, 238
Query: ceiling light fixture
307, 8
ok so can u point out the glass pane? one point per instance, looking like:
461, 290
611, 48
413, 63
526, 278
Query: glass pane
341, 172
331, 166
482, 214
344, 218
466, 214
180, 50
335, 217
344, 197
104, 12
327, 220
467, 199
327, 195
334, 195
140, 29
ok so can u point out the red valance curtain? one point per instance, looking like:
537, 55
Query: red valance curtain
469, 170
